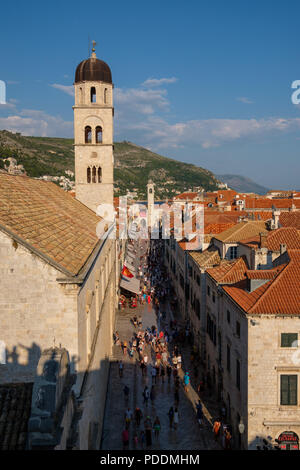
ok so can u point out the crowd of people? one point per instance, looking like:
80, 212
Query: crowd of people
157, 352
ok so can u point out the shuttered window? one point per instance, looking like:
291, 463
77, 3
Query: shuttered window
288, 389
289, 340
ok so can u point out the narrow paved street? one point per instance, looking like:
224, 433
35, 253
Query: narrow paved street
189, 435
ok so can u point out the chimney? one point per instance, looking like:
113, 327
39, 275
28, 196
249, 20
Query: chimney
276, 215
263, 240
282, 248
293, 208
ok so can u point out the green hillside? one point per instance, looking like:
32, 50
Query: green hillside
134, 165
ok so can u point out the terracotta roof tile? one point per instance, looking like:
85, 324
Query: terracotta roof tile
208, 257
242, 231
284, 235
290, 219
281, 295
229, 272
49, 219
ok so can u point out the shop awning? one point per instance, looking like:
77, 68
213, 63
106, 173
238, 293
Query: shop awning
130, 266
130, 284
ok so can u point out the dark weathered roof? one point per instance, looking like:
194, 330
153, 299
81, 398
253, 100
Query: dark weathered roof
15, 406
93, 69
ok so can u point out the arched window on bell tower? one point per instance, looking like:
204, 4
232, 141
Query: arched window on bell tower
98, 135
99, 172
80, 96
94, 172
88, 174
93, 94
88, 135
105, 95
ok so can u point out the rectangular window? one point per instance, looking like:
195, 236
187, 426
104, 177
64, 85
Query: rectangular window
208, 290
238, 374
289, 340
288, 389
214, 297
228, 357
228, 316
198, 280
233, 252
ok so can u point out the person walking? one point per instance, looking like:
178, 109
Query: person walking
128, 416
227, 439
156, 427
171, 416
199, 412
135, 441
121, 368
125, 438
138, 416
186, 381
143, 367
216, 428
146, 395
176, 418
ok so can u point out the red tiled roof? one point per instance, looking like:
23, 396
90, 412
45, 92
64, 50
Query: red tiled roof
290, 219
241, 231
264, 273
281, 295
284, 235
261, 203
229, 272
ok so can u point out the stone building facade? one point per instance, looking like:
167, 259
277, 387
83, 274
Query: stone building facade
58, 290
253, 349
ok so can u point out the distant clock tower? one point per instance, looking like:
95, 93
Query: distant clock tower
150, 203
93, 132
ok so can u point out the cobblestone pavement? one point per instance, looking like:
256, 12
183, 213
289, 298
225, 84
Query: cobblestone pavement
189, 435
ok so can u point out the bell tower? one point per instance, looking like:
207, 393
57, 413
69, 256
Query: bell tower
93, 132
150, 203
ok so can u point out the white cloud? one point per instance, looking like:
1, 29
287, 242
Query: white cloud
136, 100
157, 132
244, 99
142, 116
37, 123
153, 82
69, 89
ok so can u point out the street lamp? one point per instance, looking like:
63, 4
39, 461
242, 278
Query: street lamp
241, 427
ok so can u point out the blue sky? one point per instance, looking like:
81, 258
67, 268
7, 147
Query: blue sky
204, 82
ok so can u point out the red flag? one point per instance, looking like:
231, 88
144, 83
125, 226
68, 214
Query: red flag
126, 272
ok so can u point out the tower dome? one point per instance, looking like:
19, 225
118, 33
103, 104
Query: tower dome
94, 70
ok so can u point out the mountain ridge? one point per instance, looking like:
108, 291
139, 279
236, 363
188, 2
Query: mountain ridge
53, 158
